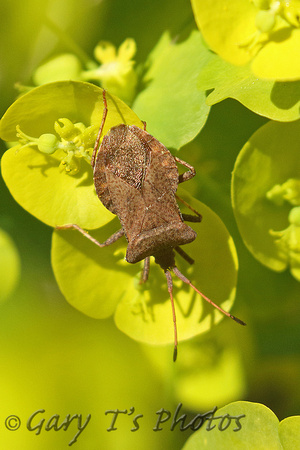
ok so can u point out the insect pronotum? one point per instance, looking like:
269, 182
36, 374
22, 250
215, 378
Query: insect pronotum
136, 178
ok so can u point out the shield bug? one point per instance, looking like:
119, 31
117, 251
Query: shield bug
136, 178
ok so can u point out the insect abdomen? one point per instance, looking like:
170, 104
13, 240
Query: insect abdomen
166, 236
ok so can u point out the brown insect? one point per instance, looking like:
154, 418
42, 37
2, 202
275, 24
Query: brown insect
136, 178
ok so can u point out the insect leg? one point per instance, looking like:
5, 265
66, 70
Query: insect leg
145, 273
100, 129
186, 175
185, 280
113, 238
188, 216
184, 255
170, 289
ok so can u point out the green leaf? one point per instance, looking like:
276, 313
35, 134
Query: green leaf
224, 25
62, 67
280, 58
289, 432
34, 178
9, 265
264, 193
171, 103
99, 282
260, 429
275, 100
92, 279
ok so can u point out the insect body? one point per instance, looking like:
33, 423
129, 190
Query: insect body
136, 178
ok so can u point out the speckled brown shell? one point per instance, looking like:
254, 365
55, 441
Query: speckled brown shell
136, 178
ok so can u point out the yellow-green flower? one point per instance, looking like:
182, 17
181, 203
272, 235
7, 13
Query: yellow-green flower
48, 172
288, 242
263, 32
288, 191
76, 142
266, 196
116, 72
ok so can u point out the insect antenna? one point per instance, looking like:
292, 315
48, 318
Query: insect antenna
185, 280
170, 289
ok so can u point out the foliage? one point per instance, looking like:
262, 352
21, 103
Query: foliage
223, 97
266, 32
260, 428
266, 195
143, 312
58, 181
9, 266
275, 100
170, 83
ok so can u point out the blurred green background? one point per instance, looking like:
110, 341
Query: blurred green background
56, 359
